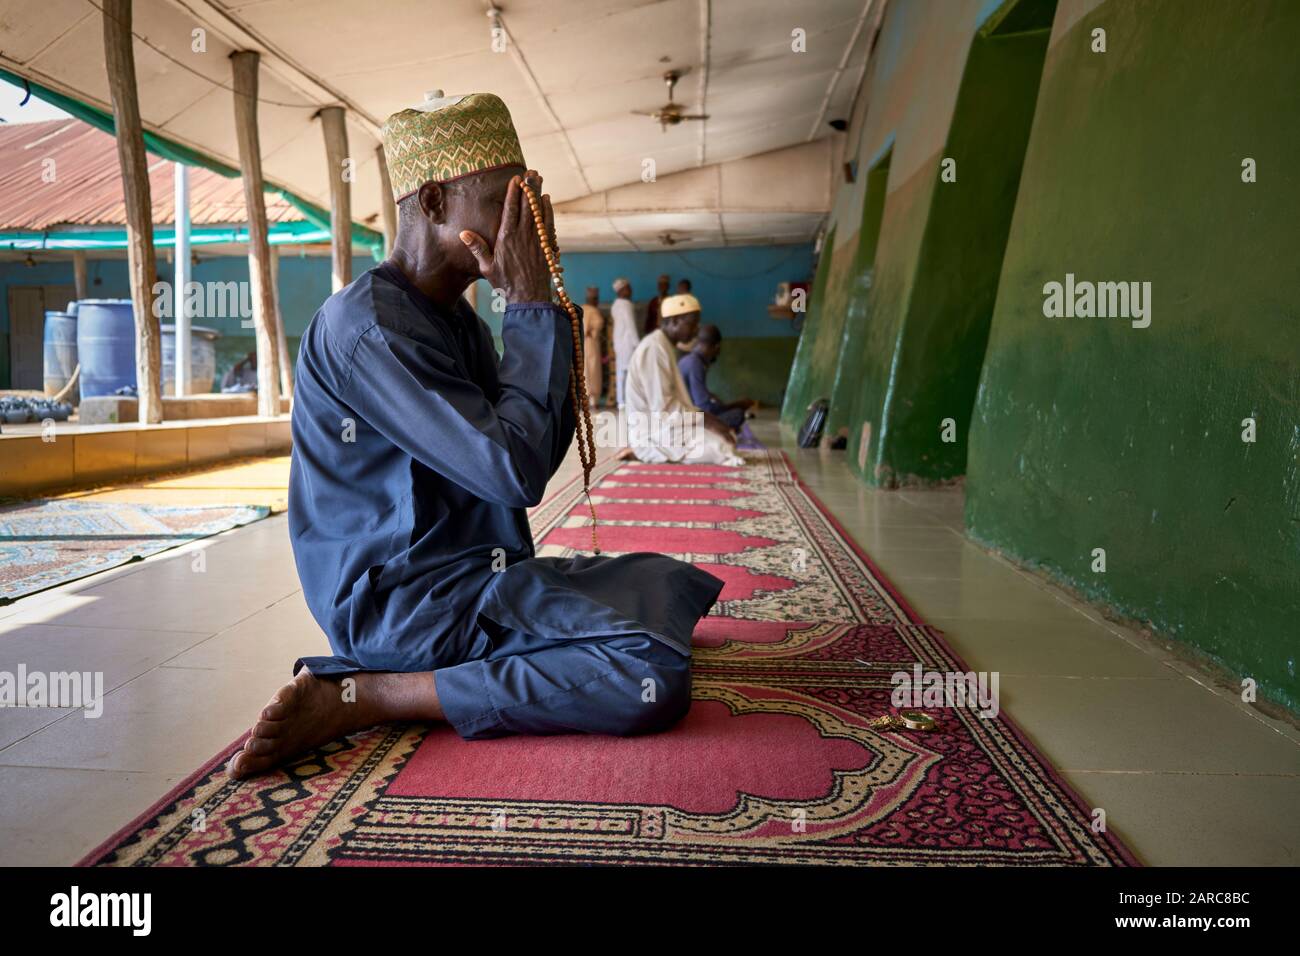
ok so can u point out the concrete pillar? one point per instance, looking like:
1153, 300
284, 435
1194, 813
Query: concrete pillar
244, 64
336, 156
119, 59
181, 356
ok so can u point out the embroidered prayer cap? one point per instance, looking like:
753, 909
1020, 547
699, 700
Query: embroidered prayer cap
447, 137
678, 305
620, 284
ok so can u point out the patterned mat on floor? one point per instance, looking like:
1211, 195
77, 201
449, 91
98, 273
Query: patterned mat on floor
776, 763
47, 543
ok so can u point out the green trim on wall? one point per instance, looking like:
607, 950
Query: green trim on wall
280, 233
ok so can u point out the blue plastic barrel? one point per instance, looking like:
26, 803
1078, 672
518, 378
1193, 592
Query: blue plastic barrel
60, 350
203, 359
105, 345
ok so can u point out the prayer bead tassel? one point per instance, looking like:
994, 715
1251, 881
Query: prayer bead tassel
578, 379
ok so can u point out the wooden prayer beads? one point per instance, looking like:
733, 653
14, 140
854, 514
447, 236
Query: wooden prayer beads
578, 379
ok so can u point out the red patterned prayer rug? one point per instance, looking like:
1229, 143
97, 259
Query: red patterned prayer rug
775, 763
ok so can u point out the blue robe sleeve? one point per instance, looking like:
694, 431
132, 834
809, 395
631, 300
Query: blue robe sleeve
568, 420
692, 370
504, 451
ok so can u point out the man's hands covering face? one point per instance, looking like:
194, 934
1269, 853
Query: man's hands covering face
516, 264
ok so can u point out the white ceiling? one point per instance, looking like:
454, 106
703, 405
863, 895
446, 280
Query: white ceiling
776, 197
572, 71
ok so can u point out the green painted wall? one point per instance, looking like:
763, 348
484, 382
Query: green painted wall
858, 292
753, 367
1089, 433
871, 347
852, 353
815, 356
940, 344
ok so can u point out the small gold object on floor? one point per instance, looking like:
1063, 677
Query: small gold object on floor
905, 720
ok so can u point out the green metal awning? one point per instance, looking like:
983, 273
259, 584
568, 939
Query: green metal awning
281, 234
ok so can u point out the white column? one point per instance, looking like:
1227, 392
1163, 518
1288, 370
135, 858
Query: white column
181, 358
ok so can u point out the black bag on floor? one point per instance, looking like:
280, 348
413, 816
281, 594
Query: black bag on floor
811, 433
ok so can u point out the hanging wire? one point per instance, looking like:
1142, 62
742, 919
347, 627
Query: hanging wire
202, 76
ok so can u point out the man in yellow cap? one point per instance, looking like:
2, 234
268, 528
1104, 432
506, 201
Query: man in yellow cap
664, 424
416, 451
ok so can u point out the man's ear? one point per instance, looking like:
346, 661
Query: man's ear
433, 202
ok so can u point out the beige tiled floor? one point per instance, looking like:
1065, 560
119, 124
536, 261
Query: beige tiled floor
191, 648
1186, 774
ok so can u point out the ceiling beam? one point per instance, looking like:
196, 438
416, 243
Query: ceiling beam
845, 57
276, 61
612, 225
517, 55
706, 48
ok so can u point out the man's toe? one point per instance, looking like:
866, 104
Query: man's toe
259, 746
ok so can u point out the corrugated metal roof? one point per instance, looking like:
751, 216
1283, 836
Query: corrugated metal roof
87, 185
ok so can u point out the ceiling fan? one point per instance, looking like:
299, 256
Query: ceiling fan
671, 114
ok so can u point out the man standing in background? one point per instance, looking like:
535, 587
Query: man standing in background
652, 310
625, 335
593, 333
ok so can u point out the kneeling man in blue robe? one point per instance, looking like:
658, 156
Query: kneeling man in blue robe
416, 451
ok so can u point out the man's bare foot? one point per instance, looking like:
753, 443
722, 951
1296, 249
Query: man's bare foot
311, 711
626, 454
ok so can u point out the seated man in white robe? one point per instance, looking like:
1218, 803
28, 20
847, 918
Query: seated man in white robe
663, 422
